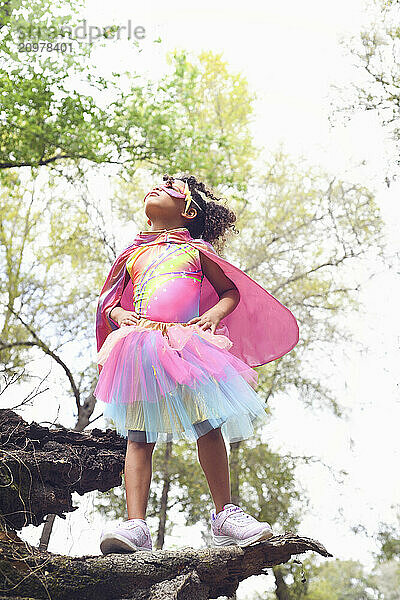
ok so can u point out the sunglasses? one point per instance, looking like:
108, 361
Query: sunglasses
176, 193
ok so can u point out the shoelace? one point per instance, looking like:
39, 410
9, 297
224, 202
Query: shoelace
133, 524
239, 515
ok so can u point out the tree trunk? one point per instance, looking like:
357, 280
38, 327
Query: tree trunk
281, 590
234, 471
184, 574
164, 496
46, 532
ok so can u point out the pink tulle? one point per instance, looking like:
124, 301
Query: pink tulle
177, 334
143, 364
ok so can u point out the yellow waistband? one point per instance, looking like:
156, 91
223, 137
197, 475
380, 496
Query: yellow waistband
160, 325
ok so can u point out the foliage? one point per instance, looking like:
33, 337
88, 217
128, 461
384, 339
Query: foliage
331, 580
386, 578
347, 579
51, 258
195, 118
376, 50
44, 117
302, 234
389, 540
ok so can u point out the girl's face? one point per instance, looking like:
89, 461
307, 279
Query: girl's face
159, 205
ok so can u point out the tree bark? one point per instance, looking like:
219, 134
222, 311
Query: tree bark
164, 497
40, 468
184, 574
281, 589
46, 532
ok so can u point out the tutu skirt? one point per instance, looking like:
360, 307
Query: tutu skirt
168, 381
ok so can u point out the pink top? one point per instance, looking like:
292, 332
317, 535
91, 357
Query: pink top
165, 282
260, 327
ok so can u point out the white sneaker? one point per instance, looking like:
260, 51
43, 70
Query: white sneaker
128, 536
232, 526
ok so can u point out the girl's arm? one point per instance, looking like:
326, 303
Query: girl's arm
121, 316
222, 285
115, 311
227, 291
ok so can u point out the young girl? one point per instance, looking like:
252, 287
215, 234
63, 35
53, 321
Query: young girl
179, 330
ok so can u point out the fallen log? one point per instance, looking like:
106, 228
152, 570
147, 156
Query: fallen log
40, 468
192, 574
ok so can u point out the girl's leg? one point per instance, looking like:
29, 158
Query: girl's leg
138, 471
214, 462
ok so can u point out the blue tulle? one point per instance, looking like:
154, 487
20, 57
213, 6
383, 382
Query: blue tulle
232, 404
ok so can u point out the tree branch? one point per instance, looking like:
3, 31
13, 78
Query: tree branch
46, 349
183, 574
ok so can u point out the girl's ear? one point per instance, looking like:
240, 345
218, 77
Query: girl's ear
191, 215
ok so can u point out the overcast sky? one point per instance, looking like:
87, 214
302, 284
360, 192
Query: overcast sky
291, 55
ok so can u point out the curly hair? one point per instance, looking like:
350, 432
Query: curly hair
214, 220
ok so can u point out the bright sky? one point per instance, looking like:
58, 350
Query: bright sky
290, 54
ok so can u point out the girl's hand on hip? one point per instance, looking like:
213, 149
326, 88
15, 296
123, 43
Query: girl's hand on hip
208, 320
124, 317
129, 318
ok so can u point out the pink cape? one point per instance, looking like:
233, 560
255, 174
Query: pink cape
260, 327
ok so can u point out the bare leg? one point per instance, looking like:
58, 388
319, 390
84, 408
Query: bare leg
138, 471
214, 462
